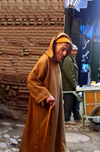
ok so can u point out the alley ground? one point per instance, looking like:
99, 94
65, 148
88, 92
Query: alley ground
78, 138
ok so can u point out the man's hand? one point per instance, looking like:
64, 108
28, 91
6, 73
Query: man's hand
51, 101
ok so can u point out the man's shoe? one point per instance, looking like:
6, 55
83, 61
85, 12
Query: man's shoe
70, 122
77, 120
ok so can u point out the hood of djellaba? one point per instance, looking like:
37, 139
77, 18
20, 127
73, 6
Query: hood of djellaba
50, 51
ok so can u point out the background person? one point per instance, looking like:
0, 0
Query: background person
45, 86
70, 81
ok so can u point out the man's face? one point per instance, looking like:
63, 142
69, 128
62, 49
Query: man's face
61, 50
73, 53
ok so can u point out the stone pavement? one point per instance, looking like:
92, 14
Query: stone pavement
10, 135
82, 139
78, 138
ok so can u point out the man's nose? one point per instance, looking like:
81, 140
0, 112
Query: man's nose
64, 53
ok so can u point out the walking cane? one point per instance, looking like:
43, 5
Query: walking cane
46, 128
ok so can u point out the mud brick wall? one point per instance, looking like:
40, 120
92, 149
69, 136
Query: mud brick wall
26, 29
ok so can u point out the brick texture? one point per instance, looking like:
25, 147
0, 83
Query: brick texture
26, 29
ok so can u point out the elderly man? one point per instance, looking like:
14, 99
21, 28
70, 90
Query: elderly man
70, 81
45, 86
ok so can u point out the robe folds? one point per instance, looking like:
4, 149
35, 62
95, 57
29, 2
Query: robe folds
43, 81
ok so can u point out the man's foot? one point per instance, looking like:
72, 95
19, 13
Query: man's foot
70, 122
77, 120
